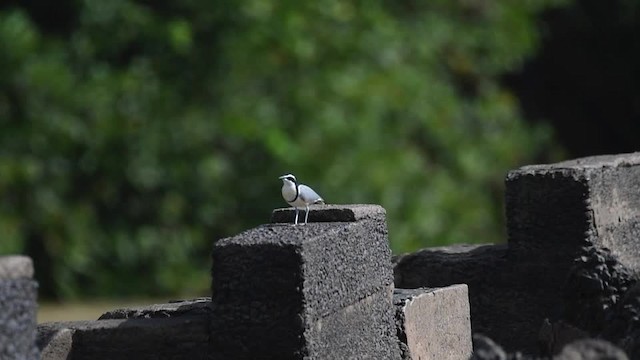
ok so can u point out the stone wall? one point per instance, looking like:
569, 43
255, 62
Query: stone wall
573, 251
329, 290
318, 291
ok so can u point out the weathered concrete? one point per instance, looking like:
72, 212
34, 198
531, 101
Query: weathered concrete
332, 213
182, 337
18, 296
434, 323
573, 250
277, 288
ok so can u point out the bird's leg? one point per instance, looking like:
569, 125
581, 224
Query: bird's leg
296, 220
306, 216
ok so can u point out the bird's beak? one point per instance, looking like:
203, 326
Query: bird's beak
282, 177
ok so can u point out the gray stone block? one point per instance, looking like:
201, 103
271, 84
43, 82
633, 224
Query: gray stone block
555, 210
16, 267
18, 296
175, 338
434, 323
574, 235
55, 343
488, 275
339, 264
573, 247
272, 282
332, 213
359, 331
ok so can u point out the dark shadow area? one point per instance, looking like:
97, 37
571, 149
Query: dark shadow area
585, 80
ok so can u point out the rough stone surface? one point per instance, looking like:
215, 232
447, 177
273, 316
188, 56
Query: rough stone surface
184, 337
339, 263
16, 267
273, 283
331, 213
18, 304
554, 210
200, 306
362, 330
573, 250
495, 308
576, 224
590, 349
594, 286
434, 323
55, 343
623, 326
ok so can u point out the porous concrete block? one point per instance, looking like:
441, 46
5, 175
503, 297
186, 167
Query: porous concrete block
555, 210
332, 213
18, 305
434, 323
175, 338
273, 282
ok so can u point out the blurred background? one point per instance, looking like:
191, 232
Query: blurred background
135, 133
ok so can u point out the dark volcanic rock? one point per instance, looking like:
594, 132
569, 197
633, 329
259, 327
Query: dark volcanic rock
594, 287
573, 249
295, 292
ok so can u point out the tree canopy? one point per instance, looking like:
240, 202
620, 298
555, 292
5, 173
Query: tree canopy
136, 133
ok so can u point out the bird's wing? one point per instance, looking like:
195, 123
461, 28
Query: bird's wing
308, 195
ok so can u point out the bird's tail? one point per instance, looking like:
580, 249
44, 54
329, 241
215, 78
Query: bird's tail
319, 202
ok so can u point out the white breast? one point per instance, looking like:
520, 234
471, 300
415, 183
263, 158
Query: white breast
289, 192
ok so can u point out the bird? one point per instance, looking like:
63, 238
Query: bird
298, 195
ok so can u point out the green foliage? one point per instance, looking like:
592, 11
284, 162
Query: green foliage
135, 139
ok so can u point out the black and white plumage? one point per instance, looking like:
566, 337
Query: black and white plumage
298, 195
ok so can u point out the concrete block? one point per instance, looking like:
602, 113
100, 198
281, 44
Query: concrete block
18, 304
182, 337
273, 282
434, 323
332, 213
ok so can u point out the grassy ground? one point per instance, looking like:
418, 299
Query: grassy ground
86, 310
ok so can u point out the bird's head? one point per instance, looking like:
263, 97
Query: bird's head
288, 177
